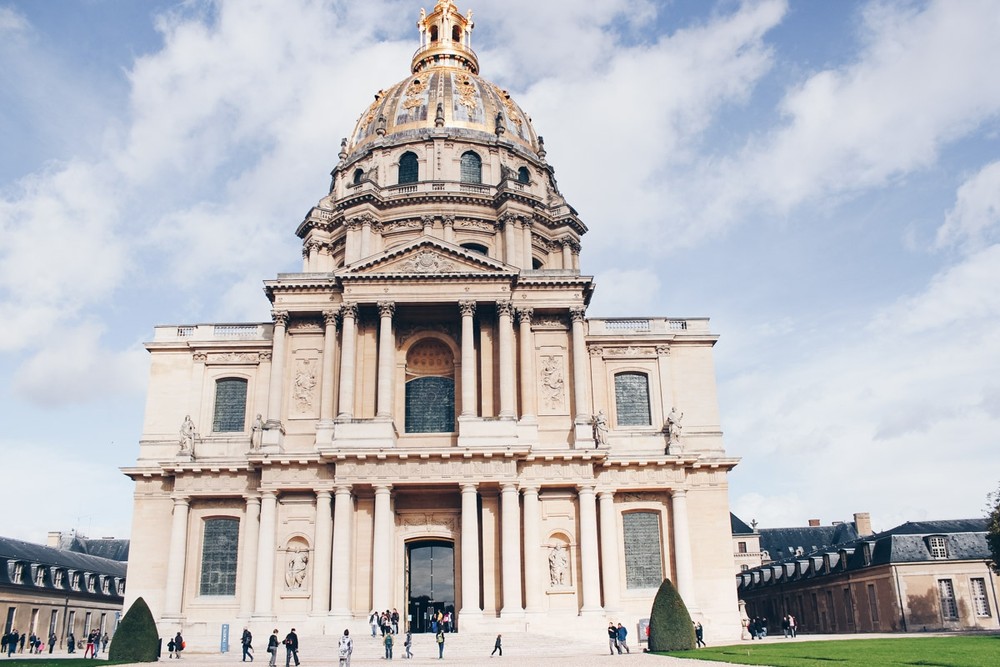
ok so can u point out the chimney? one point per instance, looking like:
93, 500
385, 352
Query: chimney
54, 537
813, 523
863, 522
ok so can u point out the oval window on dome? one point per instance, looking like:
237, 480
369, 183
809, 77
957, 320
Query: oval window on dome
472, 168
409, 169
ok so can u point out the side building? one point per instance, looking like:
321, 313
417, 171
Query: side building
46, 590
431, 421
919, 576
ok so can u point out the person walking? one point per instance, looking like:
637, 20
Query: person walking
613, 639
388, 645
793, 626
179, 645
12, 642
71, 642
407, 643
246, 641
345, 648
272, 647
170, 648
440, 641
52, 642
699, 635
291, 648
622, 643
373, 621
497, 647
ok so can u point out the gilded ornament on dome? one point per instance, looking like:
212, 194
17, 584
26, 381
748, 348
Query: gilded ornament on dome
414, 93
508, 104
467, 92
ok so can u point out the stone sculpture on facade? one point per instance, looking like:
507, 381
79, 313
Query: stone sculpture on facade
188, 433
256, 432
600, 422
672, 427
558, 562
295, 572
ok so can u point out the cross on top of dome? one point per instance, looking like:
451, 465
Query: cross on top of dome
445, 39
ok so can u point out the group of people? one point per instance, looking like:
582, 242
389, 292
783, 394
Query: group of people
95, 643
789, 626
291, 644
175, 646
617, 638
758, 626
387, 622
14, 642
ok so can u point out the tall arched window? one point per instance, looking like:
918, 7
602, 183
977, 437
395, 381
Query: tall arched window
358, 175
230, 405
523, 176
643, 564
632, 399
472, 168
218, 556
430, 388
409, 170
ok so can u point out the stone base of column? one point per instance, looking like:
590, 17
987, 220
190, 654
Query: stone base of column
527, 430
512, 614
477, 432
583, 437
260, 618
273, 437
365, 434
591, 611
324, 433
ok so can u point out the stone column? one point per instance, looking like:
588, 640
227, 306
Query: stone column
588, 551
341, 566
682, 547
468, 407
198, 360
506, 335
386, 359
352, 247
274, 387
324, 429
527, 364
174, 589
576, 256
449, 228
366, 236
248, 554
533, 570
567, 253
526, 253
581, 369
509, 244
510, 551
349, 334
609, 551
382, 548
321, 553
470, 552
428, 224
265, 554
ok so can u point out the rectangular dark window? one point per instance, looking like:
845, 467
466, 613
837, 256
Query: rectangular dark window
632, 399
873, 604
218, 557
643, 564
230, 405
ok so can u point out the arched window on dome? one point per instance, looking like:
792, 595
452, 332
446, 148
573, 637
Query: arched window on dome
456, 34
409, 170
434, 33
358, 175
477, 247
536, 263
472, 168
430, 387
523, 176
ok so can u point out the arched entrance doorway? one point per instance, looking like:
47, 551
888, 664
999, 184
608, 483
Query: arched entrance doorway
430, 581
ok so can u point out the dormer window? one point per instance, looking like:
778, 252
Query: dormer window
58, 577
74, 581
938, 547
39, 576
17, 573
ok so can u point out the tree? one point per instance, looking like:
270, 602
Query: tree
136, 639
993, 528
670, 627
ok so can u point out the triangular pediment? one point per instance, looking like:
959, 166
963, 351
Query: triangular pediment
427, 257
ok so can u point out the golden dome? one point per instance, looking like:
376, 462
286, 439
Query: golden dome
444, 91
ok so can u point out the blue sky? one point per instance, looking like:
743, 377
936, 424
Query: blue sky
822, 179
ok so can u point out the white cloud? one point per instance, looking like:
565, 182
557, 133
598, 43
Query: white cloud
12, 22
626, 292
975, 218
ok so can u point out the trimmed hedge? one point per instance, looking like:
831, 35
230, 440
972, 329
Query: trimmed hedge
670, 627
136, 639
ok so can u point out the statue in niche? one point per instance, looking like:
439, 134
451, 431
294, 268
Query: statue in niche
188, 433
558, 562
600, 423
256, 432
673, 427
295, 572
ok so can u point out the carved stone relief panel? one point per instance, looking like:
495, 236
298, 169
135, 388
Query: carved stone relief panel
552, 376
429, 522
305, 386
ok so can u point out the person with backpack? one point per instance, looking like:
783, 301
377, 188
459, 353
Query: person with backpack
407, 644
345, 648
440, 641
272, 647
179, 645
291, 648
246, 641
388, 644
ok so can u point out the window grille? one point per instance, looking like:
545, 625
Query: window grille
230, 405
409, 169
632, 399
949, 608
938, 546
643, 564
980, 600
218, 557
430, 405
472, 168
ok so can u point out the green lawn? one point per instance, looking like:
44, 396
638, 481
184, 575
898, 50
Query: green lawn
962, 651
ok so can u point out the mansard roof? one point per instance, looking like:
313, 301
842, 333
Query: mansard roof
427, 256
738, 527
18, 550
785, 542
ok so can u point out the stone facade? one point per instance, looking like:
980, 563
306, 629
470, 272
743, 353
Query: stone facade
430, 380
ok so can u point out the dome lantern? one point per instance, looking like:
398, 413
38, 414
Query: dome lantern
445, 39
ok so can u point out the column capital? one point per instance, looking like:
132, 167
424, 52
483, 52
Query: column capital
331, 318
530, 489
508, 486
448, 220
469, 487
505, 308
606, 493
577, 314
269, 494
524, 314
663, 350
349, 310
585, 489
252, 498
386, 308
323, 493
343, 489
181, 499
467, 308
382, 489
678, 493
279, 317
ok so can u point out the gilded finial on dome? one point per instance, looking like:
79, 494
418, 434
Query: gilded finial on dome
445, 39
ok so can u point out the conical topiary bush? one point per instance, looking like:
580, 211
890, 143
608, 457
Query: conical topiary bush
670, 627
136, 639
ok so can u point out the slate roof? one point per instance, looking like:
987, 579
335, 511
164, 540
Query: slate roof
738, 526
105, 547
782, 543
11, 550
